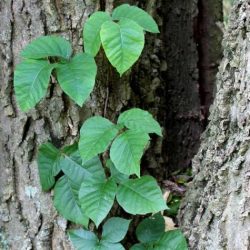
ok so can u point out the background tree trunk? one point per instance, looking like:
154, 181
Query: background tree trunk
215, 212
165, 81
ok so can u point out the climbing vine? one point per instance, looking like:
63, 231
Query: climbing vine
103, 168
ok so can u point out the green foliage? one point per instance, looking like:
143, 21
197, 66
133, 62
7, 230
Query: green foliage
136, 14
122, 42
150, 229
76, 75
46, 46
97, 197
83, 189
151, 234
114, 230
127, 148
31, 80
140, 196
121, 35
95, 136
91, 32
140, 120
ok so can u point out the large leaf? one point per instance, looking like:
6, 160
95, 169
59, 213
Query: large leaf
126, 151
97, 197
95, 136
172, 240
48, 165
31, 80
66, 201
151, 229
122, 42
115, 229
91, 32
77, 77
136, 14
140, 120
46, 46
140, 196
83, 240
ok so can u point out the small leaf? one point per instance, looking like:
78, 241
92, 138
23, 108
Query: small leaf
115, 174
97, 197
115, 229
140, 196
126, 151
48, 165
46, 46
95, 136
140, 120
83, 240
66, 201
150, 229
77, 77
137, 15
91, 32
31, 80
172, 240
122, 42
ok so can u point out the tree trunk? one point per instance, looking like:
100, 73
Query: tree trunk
215, 212
166, 74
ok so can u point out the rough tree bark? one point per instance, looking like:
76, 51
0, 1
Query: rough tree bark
166, 75
215, 212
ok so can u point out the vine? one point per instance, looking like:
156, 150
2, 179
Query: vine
85, 187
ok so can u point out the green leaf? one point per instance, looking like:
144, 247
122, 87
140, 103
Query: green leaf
122, 42
46, 46
109, 246
77, 77
140, 196
115, 174
95, 136
126, 151
83, 240
91, 32
48, 165
140, 120
138, 246
31, 80
172, 240
97, 197
137, 15
150, 229
115, 229
92, 167
66, 201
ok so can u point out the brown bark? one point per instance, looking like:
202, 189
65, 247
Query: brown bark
164, 81
215, 212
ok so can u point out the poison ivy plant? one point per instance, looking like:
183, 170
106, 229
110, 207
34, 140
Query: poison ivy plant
84, 190
76, 75
152, 236
121, 34
114, 230
127, 139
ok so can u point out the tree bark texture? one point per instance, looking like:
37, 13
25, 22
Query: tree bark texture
165, 81
215, 212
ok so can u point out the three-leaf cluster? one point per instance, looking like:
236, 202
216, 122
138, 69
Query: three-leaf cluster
76, 75
121, 35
